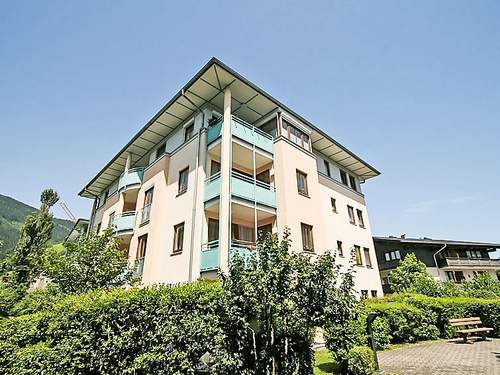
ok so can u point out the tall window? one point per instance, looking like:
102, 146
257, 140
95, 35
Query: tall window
327, 168
183, 180
213, 230
295, 135
350, 211
178, 237
188, 132
360, 218
111, 219
161, 150
141, 247
343, 177
357, 255
334, 204
146, 206
340, 249
307, 237
368, 259
301, 182
352, 181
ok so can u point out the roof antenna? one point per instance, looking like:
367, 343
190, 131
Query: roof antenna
403, 236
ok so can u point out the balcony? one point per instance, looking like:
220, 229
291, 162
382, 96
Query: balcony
124, 223
210, 256
243, 249
214, 131
469, 263
130, 179
254, 190
252, 135
212, 187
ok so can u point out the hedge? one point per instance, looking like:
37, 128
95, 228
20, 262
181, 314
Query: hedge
161, 330
413, 317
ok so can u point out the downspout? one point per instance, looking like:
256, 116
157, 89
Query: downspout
94, 209
435, 260
195, 198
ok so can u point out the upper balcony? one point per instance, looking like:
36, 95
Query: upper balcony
252, 189
124, 223
244, 131
131, 179
469, 263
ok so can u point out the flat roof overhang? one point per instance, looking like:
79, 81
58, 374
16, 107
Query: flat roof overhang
249, 102
428, 241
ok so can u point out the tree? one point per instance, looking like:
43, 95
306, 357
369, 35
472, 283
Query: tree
282, 297
483, 285
412, 276
91, 262
24, 263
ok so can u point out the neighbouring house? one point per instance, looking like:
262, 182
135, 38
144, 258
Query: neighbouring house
220, 163
445, 260
80, 227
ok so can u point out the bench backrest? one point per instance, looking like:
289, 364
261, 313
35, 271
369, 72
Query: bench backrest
465, 321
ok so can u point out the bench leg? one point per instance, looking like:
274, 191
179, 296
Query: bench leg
483, 336
465, 338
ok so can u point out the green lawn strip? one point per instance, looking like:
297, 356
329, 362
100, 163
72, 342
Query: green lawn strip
324, 363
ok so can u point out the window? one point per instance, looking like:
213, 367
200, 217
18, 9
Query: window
360, 218
392, 255
307, 237
368, 259
141, 247
456, 276
473, 254
295, 135
343, 177
340, 249
301, 182
178, 237
327, 168
183, 180
161, 150
364, 294
264, 230
111, 219
350, 210
214, 167
146, 206
352, 182
357, 255
188, 132
374, 293
213, 230
334, 204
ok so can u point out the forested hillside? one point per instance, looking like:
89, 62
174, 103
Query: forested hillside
12, 216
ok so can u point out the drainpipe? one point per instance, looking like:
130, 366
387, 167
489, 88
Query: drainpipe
195, 198
435, 260
94, 209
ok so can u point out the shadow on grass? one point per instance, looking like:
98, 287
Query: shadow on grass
325, 364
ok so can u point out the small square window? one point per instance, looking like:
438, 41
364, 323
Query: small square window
364, 294
178, 237
301, 182
183, 180
374, 293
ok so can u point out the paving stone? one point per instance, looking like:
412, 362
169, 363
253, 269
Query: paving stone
443, 357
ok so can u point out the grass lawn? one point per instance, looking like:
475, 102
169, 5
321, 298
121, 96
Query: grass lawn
324, 363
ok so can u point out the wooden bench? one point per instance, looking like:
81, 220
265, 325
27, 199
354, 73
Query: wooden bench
470, 326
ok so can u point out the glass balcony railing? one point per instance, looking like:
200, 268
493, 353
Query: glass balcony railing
133, 177
210, 256
214, 131
243, 249
252, 135
124, 223
246, 187
212, 187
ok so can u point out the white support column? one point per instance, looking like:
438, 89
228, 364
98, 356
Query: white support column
225, 193
128, 162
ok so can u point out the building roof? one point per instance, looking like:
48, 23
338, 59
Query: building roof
430, 241
79, 226
207, 87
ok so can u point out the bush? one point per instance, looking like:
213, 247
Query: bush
361, 361
8, 297
37, 300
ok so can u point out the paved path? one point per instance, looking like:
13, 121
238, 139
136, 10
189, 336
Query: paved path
443, 357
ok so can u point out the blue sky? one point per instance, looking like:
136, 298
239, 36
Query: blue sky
411, 87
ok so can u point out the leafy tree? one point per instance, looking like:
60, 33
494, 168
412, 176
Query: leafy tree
91, 262
483, 285
282, 297
412, 276
24, 264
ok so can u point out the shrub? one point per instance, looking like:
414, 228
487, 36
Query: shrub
361, 361
8, 297
483, 285
37, 300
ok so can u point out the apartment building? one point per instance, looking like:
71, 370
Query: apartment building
446, 260
220, 163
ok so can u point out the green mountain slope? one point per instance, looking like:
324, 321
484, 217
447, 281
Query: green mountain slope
12, 216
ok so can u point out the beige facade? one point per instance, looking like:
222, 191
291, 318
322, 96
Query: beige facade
200, 185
